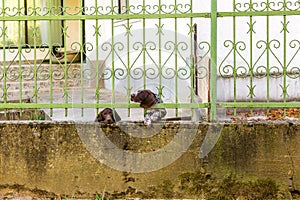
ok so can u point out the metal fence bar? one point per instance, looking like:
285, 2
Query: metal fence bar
176, 59
4, 35
160, 32
35, 64
192, 57
234, 60
163, 105
268, 58
148, 16
284, 86
65, 66
107, 16
144, 46
20, 58
81, 51
101, 105
51, 55
128, 87
113, 53
251, 66
97, 77
213, 63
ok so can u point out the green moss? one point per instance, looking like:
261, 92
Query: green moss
201, 184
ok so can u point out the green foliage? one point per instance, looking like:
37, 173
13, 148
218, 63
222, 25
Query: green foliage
101, 197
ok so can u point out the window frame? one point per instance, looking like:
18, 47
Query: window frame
26, 35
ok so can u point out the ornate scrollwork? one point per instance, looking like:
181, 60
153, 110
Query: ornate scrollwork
184, 73
242, 7
261, 71
107, 74
152, 9
262, 6
227, 70
293, 6
58, 72
267, 6
167, 9
152, 72
139, 9
12, 73
169, 73
137, 73
43, 73
120, 74
294, 71
183, 8
202, 69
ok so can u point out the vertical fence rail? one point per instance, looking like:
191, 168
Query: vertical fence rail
234, 58
50, 65
20, 57
4, 34
113, 49
81, 47
213, 63
284, 85
128, 71
251, 30
268, 58
97, 79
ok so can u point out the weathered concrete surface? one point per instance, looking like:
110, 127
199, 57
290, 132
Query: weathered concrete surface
263, 149
54, 158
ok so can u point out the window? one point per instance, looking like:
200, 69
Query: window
122, 5
31, 33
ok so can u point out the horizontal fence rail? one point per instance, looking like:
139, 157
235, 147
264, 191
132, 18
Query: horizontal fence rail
93, 55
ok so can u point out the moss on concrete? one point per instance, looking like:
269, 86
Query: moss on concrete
257, 158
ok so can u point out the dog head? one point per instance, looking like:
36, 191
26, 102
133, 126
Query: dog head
108, 116
146, 98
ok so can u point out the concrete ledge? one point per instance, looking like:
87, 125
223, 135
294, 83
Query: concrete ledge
60, 158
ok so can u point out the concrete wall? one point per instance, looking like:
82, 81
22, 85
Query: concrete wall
51, 158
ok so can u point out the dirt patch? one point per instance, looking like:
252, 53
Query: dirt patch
271, 115
20, 192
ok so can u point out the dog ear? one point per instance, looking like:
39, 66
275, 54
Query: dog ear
99, 117
116, 116
149, 100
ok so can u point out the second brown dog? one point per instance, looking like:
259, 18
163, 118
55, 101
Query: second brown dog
147, 100
108, 116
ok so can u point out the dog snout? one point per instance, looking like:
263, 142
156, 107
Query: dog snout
108, 121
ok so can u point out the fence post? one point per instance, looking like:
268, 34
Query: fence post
213, 63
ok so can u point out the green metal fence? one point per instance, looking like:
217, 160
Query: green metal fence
94, 54
267, 57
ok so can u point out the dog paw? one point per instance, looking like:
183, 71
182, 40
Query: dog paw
155, 117
147, 122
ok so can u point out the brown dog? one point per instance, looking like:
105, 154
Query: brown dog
147, 99
108, 116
